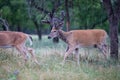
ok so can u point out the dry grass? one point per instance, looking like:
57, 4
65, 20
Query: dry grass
12, 66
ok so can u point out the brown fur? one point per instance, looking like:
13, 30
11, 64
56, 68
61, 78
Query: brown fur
84, 37
81, 38
77, 38
12, 38
17, 40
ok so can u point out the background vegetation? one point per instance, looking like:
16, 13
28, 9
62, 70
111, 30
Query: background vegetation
21, 16
26, 16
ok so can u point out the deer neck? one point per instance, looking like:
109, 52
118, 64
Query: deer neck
63, 35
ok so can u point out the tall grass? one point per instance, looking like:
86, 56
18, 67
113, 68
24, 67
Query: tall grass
50, 55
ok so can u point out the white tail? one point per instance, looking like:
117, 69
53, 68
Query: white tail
30, 40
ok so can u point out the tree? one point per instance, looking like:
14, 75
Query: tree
88, 14
113, 13
67, 16
36, 18
15, 13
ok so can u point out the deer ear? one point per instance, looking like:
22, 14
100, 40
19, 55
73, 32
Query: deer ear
59, 26
45, 21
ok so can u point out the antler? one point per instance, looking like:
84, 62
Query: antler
62, 15
52, 20
32, 3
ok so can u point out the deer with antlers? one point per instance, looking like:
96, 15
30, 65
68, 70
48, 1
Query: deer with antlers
76, 39
18, 40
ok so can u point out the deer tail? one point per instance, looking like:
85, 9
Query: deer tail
30, 40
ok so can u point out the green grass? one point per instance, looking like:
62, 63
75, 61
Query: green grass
50, 56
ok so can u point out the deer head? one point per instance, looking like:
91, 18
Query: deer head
55, 23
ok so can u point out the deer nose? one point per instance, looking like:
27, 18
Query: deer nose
49, 37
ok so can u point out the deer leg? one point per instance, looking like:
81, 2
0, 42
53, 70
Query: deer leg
77, 55
70, 50
18, 47
105, 48
32, 52
67, 49
26, 52
22, 49
100, 47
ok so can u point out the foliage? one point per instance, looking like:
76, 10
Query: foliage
83, 14
15, 12
87, 13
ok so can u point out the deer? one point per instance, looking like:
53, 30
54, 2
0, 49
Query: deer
9, 39
76, 39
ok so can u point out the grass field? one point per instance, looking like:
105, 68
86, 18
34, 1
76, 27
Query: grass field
50, 55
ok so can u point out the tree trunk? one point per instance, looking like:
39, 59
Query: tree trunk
113, 37
19, 28
39, 33
4, 28
113, 22
67, 16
